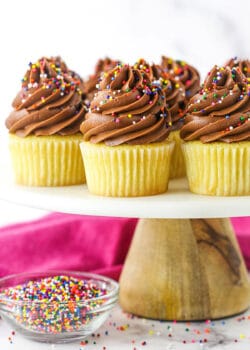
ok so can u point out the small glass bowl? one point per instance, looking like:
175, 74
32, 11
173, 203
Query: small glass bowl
57, 322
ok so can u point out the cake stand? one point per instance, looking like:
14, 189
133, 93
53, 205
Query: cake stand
184, 262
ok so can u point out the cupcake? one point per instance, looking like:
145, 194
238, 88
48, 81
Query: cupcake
244, 65
91, 84
217, 134
188, 79
125, 148
174, 92
175, 104
44, 127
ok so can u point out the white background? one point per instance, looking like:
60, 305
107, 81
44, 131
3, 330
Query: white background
203, 33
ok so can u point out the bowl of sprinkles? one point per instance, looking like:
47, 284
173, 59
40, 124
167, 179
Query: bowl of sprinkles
57, 306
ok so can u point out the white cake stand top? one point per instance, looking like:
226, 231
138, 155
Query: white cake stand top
178, 202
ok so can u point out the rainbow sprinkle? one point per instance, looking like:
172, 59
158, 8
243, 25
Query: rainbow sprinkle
53, 304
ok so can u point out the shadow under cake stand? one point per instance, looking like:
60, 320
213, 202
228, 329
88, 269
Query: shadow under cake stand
184, 262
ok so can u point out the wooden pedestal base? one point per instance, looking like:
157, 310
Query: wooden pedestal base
184, 270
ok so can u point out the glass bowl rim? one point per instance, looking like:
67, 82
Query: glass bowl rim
113, 294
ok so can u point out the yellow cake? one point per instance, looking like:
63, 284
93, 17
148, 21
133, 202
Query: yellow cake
218, 169
47, 160
178, 167
127, 170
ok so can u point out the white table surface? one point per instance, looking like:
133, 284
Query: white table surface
124, 332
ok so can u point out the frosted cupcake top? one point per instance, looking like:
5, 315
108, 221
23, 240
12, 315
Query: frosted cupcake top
128, 108
173, 90
244, 65
49, 102
102, 65
184, 73
221, 110
153, 71
175, 100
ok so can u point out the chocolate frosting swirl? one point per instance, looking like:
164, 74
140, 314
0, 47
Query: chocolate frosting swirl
49, 102
244, 65
175, 100
51, 67
127, 109
102, 66
183, 72
221, 111
174, 91
154, 72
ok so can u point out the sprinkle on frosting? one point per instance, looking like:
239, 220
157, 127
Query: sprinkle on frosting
50, 101
221, 110
92, 83
243, 65
183, 72
173, 89
127, 94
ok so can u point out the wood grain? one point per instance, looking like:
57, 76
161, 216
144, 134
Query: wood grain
184, 270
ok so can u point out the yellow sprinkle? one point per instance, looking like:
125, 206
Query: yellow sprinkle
129, 115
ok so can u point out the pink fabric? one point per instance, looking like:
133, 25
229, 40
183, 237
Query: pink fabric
242, 229
83, 243
60, 241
